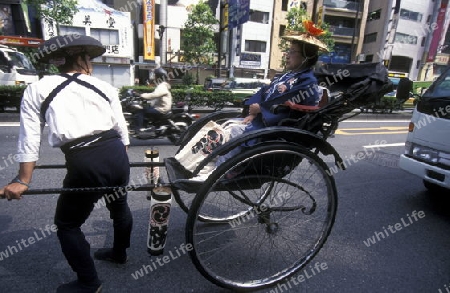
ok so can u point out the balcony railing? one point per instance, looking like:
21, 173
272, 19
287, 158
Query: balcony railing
341, 31
350, 5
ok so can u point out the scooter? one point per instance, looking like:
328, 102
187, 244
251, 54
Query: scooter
171, 125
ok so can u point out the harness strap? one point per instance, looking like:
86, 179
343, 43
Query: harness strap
55, 91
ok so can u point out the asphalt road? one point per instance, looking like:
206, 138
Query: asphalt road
362, 253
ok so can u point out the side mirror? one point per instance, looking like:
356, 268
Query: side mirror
405, 86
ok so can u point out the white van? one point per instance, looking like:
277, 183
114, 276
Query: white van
15, 67
427, 147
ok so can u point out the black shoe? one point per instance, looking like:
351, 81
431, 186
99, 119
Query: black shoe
108, 254
77, 287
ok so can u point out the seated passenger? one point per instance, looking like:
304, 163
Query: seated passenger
297, 85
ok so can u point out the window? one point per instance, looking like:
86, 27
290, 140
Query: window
282, 30
422, 44
405, 39
259, 16
255, 46
374, 15
105, 36
369, 58
411, 15
66, 30
284, 5
370, 38
4, 65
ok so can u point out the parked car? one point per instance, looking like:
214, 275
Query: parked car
213, 84
427, 147
240, 87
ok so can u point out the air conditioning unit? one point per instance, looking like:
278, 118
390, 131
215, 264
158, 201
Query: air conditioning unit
362, 57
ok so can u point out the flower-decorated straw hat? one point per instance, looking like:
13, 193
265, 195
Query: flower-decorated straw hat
308, 36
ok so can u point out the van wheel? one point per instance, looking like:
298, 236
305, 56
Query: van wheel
434, 188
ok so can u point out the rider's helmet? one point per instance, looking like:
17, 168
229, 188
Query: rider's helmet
60, 48
161, 75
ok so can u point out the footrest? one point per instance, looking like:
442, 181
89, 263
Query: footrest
179, 177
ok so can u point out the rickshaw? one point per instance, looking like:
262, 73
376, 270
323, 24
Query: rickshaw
275, 215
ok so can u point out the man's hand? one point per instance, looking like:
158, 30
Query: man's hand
19, 185
13, 191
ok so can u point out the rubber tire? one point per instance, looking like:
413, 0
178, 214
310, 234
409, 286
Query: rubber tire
206, 269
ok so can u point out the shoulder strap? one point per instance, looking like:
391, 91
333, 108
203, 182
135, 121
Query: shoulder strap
90, 86
70, 78
55, 91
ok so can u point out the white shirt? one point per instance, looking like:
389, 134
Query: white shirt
162, 96
76, 111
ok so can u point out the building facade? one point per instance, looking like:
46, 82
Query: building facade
409, 27
250, 45
347, 22
113, 29
437, 57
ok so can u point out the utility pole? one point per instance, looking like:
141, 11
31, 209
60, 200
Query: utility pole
162, 27
222, 26
314, 11
231, 52
354, 30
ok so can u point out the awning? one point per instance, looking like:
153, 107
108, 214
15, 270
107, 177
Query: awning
20, 41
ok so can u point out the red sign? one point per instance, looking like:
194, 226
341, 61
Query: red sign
437, 32
20, 41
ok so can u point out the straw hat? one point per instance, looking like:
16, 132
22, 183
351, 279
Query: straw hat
309, 36
59, 47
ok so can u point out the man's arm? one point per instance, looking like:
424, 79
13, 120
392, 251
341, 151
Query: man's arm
19, 185
159, 92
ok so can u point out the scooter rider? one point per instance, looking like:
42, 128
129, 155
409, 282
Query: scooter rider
161, 96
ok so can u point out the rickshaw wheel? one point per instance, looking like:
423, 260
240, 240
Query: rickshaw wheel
277, 213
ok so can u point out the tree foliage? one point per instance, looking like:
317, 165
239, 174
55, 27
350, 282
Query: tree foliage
198, 36
60, 11
56, 11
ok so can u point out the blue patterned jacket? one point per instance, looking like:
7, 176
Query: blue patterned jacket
298, 87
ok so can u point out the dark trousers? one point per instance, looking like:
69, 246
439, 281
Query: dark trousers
139, 116
102, 164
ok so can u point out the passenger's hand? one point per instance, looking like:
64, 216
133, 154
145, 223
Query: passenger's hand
254, 109
248, 119
13, 191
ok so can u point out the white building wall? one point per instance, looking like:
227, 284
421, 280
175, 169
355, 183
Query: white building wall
257, 32
420, 30
114, 66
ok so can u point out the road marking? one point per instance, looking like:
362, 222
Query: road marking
375, 121
373, 130
7, 124
384, 145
